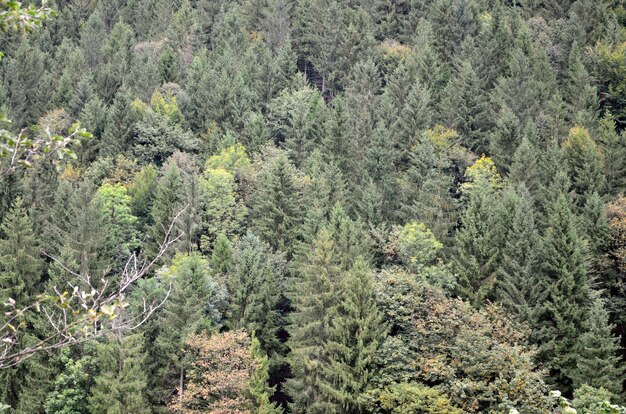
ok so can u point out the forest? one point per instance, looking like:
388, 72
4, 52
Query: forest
312, 206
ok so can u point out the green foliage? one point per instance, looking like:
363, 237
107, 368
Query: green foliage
406, 398
70, 388
121, 383
566, 298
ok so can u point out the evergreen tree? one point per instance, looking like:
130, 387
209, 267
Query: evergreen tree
221, 256
192, 305
276, 210
70, 388
26, 84
566, 295
166, 205
613, 147
599, 364
121, 383
477, 242
584, 163
357, 330
517, 275
20, 268
464, 110
314, 296
295, 119
253, 283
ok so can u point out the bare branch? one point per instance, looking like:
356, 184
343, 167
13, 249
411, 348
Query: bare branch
83, 313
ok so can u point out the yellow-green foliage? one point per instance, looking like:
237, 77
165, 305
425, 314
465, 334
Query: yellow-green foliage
166, 106
440, 136
418, 244
415, 398
579, 141
483, 171
229, 159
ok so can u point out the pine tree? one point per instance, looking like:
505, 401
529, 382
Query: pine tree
357, 330
121, 383
566, 295
599, 364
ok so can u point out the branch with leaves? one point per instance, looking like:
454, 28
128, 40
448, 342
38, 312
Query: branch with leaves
82, 311
22, 150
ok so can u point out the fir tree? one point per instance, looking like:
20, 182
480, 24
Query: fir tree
121, 383
357, 330
599, 364
276, 210
566, 295
20, 268
314, 296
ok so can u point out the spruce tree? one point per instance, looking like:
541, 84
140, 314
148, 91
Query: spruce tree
357, 330
121, 383
584, 163
477, 241
20, 265
517, 275
168, 202
221, 256
276, 210
599, 364
566, 295
314, 295
253, 283
70, 392
613, 146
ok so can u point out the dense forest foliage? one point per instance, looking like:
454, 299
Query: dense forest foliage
359, 206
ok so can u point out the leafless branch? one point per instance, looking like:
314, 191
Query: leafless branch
83, 312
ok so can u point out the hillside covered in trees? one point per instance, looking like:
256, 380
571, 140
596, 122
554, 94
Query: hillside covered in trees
313, 206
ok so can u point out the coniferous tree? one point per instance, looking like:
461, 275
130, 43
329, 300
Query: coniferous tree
357, 330
517, 275
478, 248
70, 392
121, 383
566, 295
314, 297
166, 205
613, 147
253, 283
20, 268
598, 363
276, 210
192, 305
